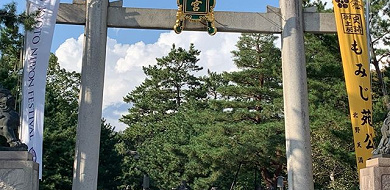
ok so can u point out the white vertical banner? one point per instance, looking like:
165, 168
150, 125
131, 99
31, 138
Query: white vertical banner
37, 52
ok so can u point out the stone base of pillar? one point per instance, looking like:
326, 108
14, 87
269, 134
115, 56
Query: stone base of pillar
18, 171
376, 175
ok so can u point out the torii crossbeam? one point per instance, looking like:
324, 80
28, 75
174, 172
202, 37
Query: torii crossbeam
164, 19
290, 21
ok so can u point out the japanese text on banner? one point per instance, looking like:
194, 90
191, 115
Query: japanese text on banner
354, 52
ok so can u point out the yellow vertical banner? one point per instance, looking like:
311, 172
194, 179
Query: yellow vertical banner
351, 30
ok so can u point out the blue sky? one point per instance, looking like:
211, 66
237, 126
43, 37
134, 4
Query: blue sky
128, 50
63, 32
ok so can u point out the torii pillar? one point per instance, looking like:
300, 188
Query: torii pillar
295, 95
86, 162
292, 24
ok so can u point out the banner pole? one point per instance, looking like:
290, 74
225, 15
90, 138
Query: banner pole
368, 29
20, 130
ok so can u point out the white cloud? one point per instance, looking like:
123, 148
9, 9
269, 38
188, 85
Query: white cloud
278, 41
329, 4
69, 54
112, 114
124, 61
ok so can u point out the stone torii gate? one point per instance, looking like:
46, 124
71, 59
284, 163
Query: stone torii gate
290, 21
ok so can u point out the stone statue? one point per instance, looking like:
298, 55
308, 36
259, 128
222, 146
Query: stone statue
384, 144
9, 121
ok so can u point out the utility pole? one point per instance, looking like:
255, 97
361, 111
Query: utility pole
295, 94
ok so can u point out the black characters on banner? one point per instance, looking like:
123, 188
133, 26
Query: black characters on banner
350, 22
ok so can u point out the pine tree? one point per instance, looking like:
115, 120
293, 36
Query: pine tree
153, 137
331, 133
110, 159
11, 41
244, 133
61, 113
380, 39
332, 140
167, 86
61, 109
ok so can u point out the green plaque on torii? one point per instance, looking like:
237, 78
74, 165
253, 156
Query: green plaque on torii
197, 11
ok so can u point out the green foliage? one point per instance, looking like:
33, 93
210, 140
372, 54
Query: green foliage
331, 136
110, 159
334, 165
61, 99
221, 147
169, 84
185, 133
248, 124
332, 142
213, 131
61, 109
156, 132
380, 40
380, 28
10, 48
61, 113
319, 4
11, 42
